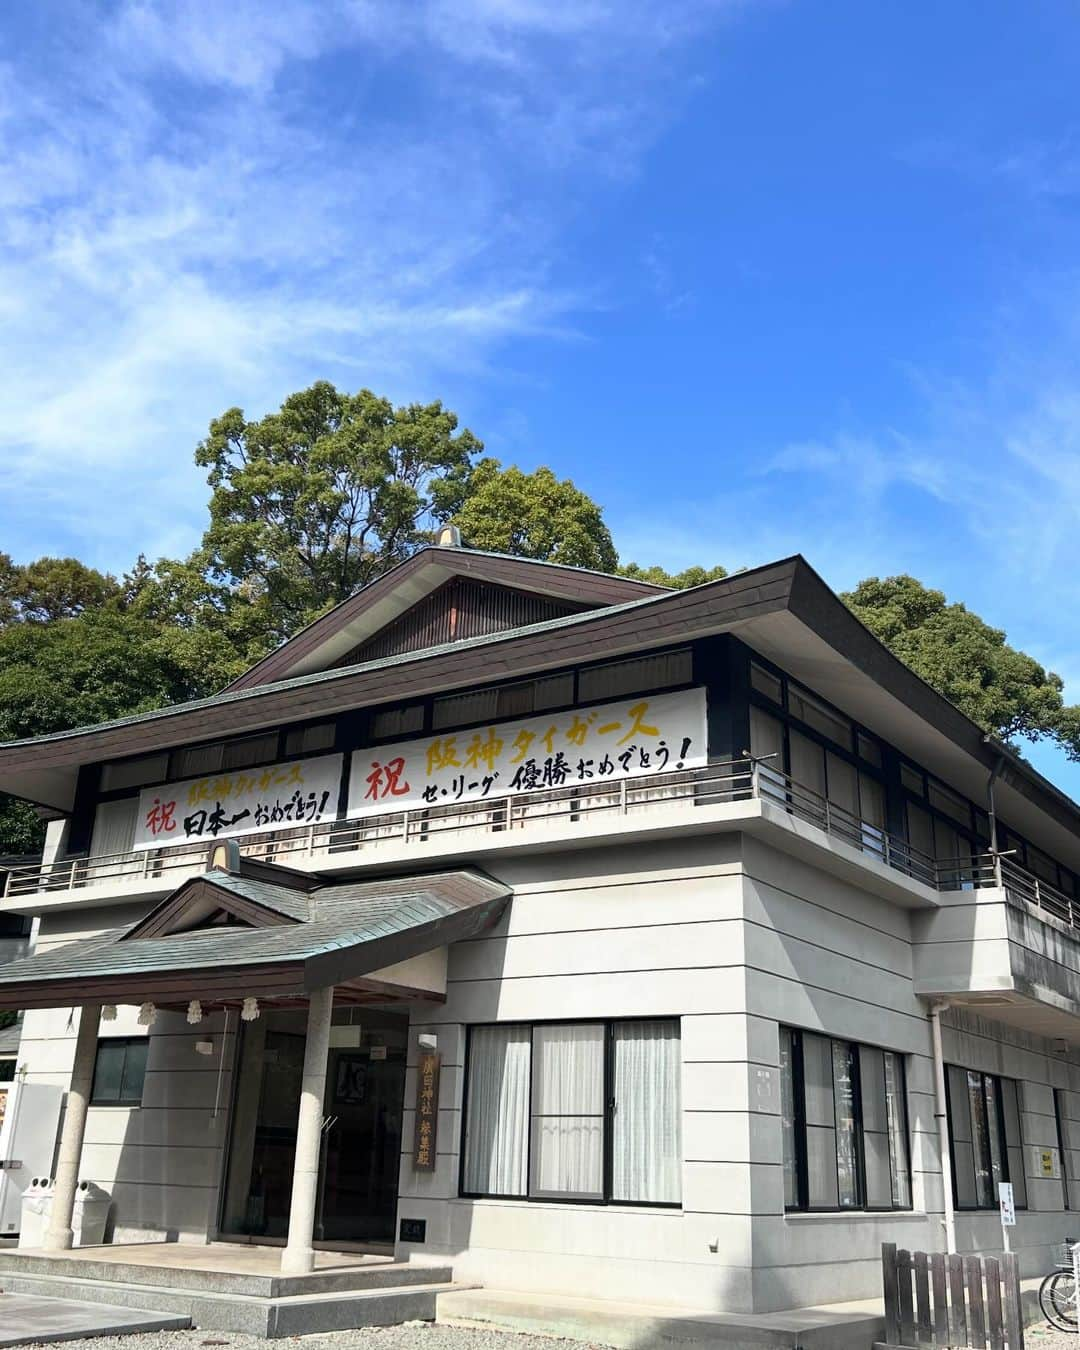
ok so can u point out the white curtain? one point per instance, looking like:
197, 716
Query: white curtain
568, 1110
497, 1113
114, 832
646, 1152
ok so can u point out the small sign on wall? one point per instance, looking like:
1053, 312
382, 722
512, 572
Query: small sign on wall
1005, 1201
1046, 1162
427, 1111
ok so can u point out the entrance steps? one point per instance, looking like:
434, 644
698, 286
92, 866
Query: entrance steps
260, 1303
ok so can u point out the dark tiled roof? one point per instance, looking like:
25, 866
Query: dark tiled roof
341, 917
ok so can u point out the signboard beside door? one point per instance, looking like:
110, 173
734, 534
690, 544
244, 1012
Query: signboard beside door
427, 1111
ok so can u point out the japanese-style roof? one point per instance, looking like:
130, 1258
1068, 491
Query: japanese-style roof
348, 932
783, 610
376, 605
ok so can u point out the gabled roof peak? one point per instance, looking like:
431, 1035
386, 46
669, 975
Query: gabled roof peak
554, 588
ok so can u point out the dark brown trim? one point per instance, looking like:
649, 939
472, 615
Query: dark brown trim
283, 980
550, 579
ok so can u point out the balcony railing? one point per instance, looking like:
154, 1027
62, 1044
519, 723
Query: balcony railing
714, 784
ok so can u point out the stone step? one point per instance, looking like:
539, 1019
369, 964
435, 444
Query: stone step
216, 1310
377, 1275
32, 1320
851, 1326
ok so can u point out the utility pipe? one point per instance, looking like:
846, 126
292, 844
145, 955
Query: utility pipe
942, 1118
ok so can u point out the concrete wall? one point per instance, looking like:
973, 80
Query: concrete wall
737, 939
726, 933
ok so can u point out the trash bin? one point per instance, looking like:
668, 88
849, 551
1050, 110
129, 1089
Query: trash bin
90, 1214
36, 1211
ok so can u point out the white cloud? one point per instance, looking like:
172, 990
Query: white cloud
204, 204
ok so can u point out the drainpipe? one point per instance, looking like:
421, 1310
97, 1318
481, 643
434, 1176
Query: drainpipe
991, 810
941, 1116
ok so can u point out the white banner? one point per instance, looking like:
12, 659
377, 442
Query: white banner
239, 801
640, 735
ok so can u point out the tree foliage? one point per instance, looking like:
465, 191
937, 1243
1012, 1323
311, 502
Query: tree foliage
534, 515
51, 588
1005, 691
678, 581
321, 497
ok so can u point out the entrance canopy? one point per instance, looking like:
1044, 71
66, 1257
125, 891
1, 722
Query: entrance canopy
255, 930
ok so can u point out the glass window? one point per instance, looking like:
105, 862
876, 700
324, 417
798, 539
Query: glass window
391, 722
636, 676
807, 764
844, 1125
767, 745
984, 1132
1068, 1133
912, 779
567, 1113
787, 1119
119, 1071
950, 803
847, 1156
251, 750
577, 1111
646, 1155
196, 760
129, 773
868, 749
497, 1111
303, 740
765, 682
814, 713
819, 1114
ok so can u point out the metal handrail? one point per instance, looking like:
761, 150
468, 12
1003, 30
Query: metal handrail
731, 780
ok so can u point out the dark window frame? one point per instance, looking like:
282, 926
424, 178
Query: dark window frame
798, 1089
1067, 1184
608, 1025
126, 1042
1003, 1140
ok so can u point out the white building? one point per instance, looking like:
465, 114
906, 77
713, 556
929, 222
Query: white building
659, 893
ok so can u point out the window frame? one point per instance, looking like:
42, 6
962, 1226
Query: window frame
127, 1042
799, 1125
608, 1089
1003, 1139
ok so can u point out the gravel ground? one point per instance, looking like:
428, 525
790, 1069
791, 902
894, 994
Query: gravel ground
1042, 1336
409, 1336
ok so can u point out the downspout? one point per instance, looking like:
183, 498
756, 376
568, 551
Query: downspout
942, 1118
991, 809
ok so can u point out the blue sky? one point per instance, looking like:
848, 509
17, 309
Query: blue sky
762, 277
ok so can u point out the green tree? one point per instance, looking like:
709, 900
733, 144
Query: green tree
534, 515
20, 829
102, 664
51, 588
319, 498
1005, 691
679, 581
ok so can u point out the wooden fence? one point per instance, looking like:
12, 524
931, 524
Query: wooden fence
962, 1302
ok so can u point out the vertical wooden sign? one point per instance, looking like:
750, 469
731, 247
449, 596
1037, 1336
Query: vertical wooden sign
427, 1111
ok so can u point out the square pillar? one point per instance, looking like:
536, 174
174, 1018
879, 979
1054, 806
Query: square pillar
298, 1258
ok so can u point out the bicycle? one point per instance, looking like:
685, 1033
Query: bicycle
1058, 1296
